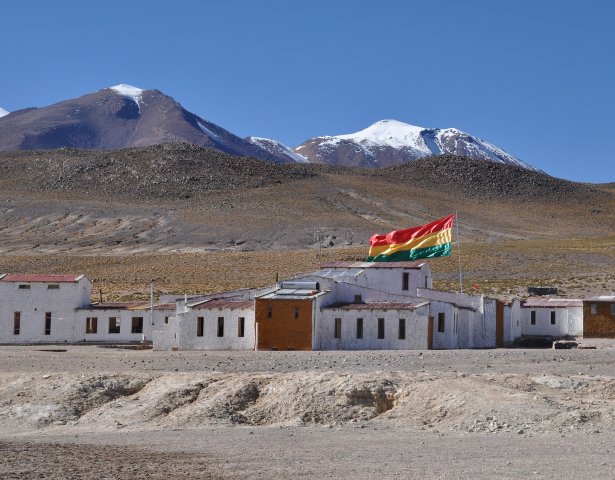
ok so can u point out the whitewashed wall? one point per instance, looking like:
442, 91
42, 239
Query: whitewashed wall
568, 321
185, 330
416, 329
383, 280
125, 315
34, 302
450, 337
512, 322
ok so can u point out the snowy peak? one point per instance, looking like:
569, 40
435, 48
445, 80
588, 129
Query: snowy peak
391, 133
125, 90
391, 142
277, 148
3, 112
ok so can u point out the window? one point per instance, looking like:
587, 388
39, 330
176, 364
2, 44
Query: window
24, 287
241, 327
441, 322
137, 325
269, 311
166, 320
91, 325
380, 328
358, 299
200, 321
552, 318
221, 326
359, 328
594, 308
425, 282
402, 328
612, 308
405, 280
16, 323
114, 325
338, 328
296, 314
54, 286
47, 323
533, 317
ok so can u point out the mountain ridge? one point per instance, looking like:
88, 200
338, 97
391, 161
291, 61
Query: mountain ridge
391, 142
125, 116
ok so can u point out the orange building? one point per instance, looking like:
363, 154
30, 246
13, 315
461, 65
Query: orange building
285, 318
599, 317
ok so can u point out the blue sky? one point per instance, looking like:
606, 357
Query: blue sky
536, 78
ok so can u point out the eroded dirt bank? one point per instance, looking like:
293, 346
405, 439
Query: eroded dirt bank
144, 414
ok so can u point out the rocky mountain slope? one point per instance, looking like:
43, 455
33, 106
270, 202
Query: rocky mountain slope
390, 142
180, 197
119, 117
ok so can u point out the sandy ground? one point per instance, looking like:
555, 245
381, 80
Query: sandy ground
91, 412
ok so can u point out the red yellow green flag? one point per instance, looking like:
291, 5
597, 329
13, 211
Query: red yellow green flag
427, 241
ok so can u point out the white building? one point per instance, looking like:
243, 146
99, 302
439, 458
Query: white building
213, 324
41, 308
120, 322
374, 326
552, 316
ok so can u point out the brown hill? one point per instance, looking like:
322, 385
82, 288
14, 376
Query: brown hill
179, 197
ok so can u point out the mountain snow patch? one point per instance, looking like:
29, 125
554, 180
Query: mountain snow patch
129, 91
3, 112
275, 147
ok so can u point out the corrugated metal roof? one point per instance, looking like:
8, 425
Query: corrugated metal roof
413, 265
118, 306
223, 303
374, 306
601, 298
40, 278
164, 306
538, 302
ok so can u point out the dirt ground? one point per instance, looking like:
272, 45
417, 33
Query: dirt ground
91, 412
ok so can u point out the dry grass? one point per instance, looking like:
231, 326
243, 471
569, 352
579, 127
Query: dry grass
577, 267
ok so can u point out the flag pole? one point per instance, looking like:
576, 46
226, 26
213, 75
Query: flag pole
459, 252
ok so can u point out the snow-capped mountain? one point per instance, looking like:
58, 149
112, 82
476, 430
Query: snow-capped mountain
390, 142
277, 148
3, 112
119, 117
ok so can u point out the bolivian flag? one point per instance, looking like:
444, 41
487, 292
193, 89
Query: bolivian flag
427, 241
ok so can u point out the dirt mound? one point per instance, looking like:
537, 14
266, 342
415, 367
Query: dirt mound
468, 403
169, 171
487, 180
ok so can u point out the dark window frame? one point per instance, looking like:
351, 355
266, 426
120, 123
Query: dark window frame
405, 281
553, 317
381, 332
138, 327
296, 313
337, 328
402, 329
241, 327
359, 332
47, 323
117, 327
441, 322
16, 323
533, 317
200, 326
220, 327
91, 325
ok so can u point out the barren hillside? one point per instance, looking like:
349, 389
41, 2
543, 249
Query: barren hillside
179, 197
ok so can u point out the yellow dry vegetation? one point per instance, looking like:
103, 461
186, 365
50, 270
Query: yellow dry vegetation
577, 266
